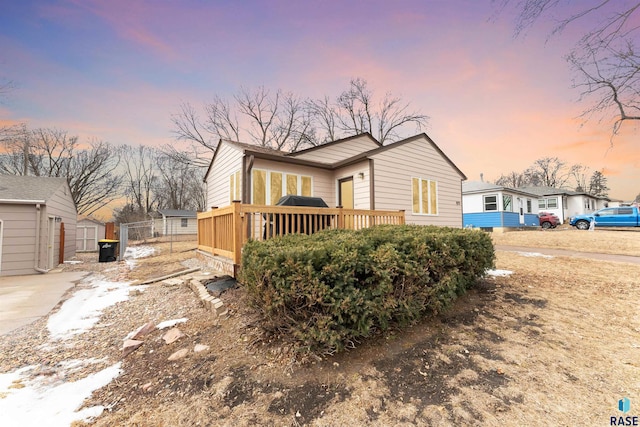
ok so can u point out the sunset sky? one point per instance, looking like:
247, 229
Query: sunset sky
117, 70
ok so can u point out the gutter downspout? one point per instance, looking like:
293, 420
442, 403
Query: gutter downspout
37, 250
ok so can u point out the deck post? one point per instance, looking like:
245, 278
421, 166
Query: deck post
402, 218
340, 218
213, 231
237, 233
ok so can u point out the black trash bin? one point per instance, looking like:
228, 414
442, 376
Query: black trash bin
108, 250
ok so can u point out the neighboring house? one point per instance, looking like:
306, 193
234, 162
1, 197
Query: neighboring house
33, 211
356, 173
88, 232
566, 203
490, 206
174, 222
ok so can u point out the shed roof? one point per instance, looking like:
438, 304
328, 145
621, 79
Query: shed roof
475, 187
177, 213
28, 189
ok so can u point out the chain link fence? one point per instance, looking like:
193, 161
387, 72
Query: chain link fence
174, 229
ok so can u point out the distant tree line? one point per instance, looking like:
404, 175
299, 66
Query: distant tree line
150, 178
556, 173
99, 173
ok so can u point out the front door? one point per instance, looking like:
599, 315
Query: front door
51, 239
345, 196
521, 210
345, 199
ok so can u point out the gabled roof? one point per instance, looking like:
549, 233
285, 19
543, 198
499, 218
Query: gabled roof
28, 189
391, 146
475, 187
542, 190
337, 141
86, 218
177, 213
281, 156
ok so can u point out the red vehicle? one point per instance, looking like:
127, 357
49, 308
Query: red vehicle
548, 220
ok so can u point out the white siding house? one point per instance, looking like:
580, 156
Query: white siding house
175, 222
494, 207
33, 211
357, 172
566, 203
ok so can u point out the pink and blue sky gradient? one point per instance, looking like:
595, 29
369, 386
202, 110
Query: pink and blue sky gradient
117, 70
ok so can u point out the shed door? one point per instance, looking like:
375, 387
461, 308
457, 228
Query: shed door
87, 238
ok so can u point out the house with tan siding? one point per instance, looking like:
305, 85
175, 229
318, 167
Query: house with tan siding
357, 172
34, 211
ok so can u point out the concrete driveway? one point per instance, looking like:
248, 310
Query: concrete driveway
25, 299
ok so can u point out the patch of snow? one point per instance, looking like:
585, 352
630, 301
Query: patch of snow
42, 403
169, 323
499, 273
134, 252
534, 254
73, 262
82, 311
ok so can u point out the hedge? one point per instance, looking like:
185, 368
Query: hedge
338, 286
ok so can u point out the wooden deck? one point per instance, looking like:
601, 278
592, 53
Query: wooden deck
223, 231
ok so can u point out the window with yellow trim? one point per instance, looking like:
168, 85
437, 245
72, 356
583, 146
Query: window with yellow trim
270, 186
259, 196
306, 186
276, 186
292, 184
424, 195
235, 192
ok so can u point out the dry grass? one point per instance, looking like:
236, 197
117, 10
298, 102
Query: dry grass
556, 343
598, 241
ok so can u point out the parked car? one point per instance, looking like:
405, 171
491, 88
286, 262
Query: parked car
548, 220
624, 216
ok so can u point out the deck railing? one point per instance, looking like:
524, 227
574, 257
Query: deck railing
223, 231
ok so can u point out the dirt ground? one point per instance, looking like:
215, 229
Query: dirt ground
555, 343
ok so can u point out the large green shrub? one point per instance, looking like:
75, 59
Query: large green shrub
336, 286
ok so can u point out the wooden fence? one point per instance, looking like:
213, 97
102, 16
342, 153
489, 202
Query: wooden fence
223, 231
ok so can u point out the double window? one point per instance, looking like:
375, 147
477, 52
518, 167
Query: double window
548, 203
270, 186
490, 203
425, 196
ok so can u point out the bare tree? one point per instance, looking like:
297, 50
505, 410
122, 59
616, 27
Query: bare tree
140, 177
269, 119
512, 180
605, 59
579, 174
16, 141
284, 121
91, 172
355, 111
550, 172
179, 185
